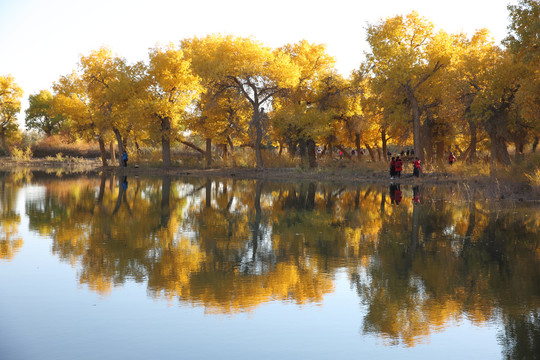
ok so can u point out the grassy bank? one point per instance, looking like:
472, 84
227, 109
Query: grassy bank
519, 180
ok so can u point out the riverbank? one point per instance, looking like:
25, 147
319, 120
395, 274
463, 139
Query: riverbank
495, 188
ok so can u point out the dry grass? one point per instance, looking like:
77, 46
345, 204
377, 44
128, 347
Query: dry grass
53, 145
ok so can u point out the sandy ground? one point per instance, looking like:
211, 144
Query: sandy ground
497, 189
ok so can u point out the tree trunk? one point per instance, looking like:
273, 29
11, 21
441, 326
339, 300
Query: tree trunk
120, 145
102, 150
370, 151
499, 152
4, 146
384, 144
312, 154
426, 138
166, 141
471, 156
302, 148
225, 151
519, 143
440, 150
113, 154
208, 152
291, 148
415, 109
535, 144
357, 145
257, 124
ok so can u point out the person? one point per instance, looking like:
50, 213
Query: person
451, 158
124, 158
417, 165
392, 167
399, 166
408, 152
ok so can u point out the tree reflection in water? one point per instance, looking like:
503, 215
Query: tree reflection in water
418, 264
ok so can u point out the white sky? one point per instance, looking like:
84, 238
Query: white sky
40, 40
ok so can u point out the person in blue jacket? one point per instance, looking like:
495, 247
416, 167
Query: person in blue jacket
124, 158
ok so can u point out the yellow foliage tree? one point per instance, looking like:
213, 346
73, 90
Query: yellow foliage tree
10, 105
255, 71
171, 88
406, 55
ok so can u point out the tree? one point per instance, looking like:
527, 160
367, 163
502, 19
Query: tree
524, 44
406, 54
257, 72
221, 116
171, 90
111, 85
39, 115
476, 57
82, 117
10, 105
301, 116
494, 104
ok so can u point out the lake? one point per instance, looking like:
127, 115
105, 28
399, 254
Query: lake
156, 268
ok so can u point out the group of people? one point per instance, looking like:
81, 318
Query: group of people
396, 167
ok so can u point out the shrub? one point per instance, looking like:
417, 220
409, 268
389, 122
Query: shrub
18, 154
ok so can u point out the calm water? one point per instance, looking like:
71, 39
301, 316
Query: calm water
136, 268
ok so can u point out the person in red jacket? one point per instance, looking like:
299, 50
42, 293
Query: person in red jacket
451, 158
399, 166
417, 167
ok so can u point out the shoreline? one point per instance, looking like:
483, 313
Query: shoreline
495, 188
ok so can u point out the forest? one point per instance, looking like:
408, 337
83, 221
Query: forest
419, 87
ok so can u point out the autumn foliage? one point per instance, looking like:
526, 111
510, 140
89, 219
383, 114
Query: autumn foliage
419, 87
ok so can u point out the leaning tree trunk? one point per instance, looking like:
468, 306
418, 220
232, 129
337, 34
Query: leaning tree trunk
102, 150
471, 156
120, 145
166, 141
370, 151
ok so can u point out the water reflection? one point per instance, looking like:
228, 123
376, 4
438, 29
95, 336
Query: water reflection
10, 240
416, 262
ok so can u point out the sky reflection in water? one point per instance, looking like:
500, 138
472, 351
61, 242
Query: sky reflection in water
147, 268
